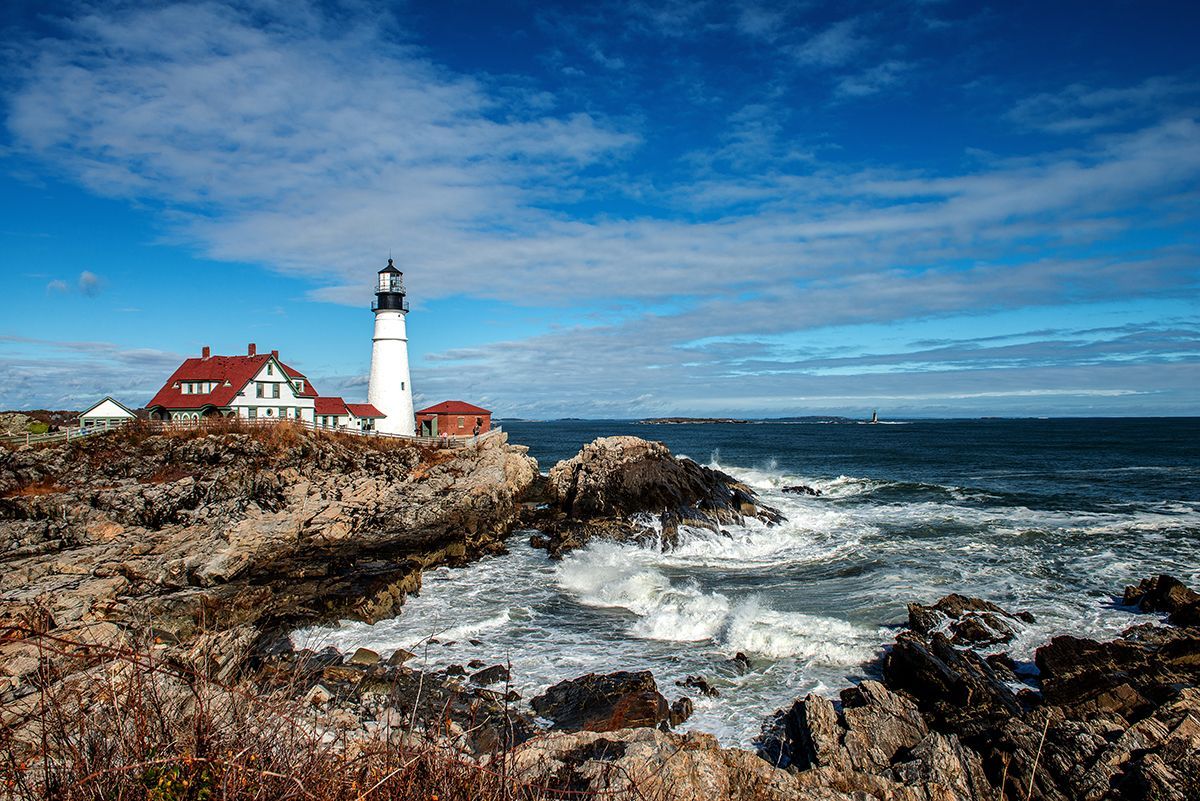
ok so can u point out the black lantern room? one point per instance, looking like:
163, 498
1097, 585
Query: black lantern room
389, 294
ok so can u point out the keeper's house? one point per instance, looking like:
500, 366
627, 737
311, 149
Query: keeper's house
453, 418
252, 387
107, 414
336, 413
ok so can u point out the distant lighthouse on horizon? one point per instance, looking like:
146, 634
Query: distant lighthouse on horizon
390, 387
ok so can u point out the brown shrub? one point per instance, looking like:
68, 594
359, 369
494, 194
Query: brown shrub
140, 728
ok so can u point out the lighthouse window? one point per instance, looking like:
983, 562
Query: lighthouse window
401, 386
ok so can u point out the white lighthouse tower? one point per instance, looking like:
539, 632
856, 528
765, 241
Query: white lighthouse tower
390, 390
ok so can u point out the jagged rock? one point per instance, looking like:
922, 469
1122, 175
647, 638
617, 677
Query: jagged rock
701, 684
1165, 593
878, 746
957, 689
802, 489
969, 621
399, 657
741, 662
648, 763
490, 675
364, 656
681, 710
615, 484
601, 703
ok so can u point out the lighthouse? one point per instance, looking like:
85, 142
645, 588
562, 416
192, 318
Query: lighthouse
390, 389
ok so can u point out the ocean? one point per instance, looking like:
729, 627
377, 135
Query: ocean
1051, 516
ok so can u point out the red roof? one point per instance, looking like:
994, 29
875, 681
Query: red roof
230, 373
330, 406
454, 407
308, 391
364, 410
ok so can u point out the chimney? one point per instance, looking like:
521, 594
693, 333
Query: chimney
252, 349
275, 353
205, 352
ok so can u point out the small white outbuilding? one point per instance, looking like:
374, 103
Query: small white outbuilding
106, 414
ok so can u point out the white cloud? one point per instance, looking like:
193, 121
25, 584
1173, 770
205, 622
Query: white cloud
872, 80
833, 46
1079, 108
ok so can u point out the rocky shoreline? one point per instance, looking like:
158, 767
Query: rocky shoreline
199, 552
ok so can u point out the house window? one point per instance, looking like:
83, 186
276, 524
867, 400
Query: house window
260, 390
252, 413
270, 412
299, 385
275, 390
270, 369
460, 422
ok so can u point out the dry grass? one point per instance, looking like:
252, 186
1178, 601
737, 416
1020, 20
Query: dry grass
136, 727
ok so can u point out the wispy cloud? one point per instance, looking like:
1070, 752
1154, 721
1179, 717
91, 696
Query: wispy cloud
1079, 108
833, 46
872, 80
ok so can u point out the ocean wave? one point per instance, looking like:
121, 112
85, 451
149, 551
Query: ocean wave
612, 575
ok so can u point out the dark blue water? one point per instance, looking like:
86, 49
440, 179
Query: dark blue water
1085, 464
1052, 516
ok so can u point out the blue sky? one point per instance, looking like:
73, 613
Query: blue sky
612, 209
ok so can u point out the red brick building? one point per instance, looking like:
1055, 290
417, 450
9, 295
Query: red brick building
453, 418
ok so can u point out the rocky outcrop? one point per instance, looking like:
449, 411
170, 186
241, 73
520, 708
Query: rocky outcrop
206, 543
968, 621
877, 743
228, 529
1102, 721
620, 700
1166, 594
649, 763
627, 488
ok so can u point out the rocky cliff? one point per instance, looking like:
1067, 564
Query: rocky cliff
192, 533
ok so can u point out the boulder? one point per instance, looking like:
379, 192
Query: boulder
364, 656
701, 684
615, 485
620, 700
1168, 594
802, 489
491, 675
967, 620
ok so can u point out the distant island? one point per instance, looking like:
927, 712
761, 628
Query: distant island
677, 420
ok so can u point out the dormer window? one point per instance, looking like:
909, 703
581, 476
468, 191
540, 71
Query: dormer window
300, 384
